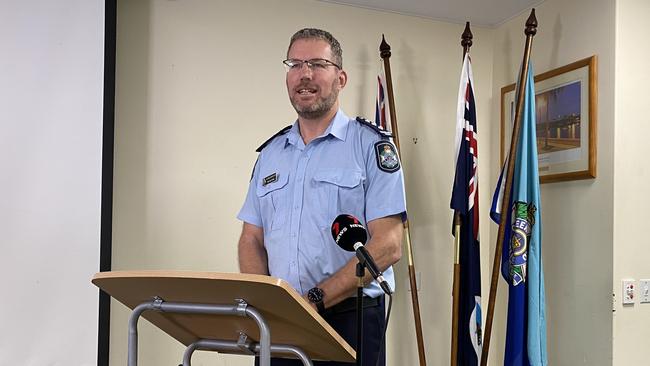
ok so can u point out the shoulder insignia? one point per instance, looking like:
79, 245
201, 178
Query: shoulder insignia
374, 127
281, 132
386, 154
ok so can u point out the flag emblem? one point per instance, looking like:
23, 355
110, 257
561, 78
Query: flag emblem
524, 218
475, 330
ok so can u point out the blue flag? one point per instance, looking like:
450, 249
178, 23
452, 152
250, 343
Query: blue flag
464, 200
521, 264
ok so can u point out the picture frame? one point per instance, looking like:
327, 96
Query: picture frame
566, 111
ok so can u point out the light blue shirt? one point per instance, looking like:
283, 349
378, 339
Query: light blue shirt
297, 191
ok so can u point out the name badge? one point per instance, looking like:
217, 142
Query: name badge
270, 179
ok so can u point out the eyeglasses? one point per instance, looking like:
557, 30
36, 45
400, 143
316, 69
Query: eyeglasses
315, 64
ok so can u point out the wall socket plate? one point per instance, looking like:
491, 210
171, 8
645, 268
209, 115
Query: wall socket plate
644, 291
629, 292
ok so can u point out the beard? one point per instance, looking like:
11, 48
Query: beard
319, 108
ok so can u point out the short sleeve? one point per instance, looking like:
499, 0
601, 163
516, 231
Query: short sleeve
385, 182
250, 211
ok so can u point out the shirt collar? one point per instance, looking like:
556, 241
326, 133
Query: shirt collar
338, 128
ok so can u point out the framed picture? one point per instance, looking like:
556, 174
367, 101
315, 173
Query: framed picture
565, 104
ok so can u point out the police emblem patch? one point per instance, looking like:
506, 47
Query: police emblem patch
387, 159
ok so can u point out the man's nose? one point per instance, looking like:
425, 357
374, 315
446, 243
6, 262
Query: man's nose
305, 71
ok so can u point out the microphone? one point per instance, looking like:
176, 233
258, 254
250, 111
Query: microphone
350, 235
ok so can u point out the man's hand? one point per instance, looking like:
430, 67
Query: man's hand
252, 254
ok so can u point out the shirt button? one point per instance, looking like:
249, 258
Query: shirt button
293, 235
296, 208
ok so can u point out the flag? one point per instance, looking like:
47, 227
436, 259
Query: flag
464, 200
382, 114
521, 264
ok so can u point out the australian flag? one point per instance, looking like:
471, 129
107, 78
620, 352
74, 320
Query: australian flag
382, 119
464, 201
521, 264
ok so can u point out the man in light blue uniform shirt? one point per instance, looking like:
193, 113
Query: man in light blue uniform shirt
324, 165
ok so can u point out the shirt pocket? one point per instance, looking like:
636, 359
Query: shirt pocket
273, 206
343, 190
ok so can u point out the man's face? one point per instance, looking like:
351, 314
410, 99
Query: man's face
313, 93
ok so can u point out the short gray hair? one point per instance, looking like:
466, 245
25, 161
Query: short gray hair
314, 33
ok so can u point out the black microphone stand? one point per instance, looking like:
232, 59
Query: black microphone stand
361, 271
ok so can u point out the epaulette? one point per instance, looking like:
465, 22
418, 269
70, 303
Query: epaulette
376, 128
281, 132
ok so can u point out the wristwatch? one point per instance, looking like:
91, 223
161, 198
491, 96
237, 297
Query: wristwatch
315, 296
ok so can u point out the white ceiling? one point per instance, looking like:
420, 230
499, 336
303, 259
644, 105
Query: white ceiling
482, 13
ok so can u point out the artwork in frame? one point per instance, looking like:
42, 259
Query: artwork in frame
565, 111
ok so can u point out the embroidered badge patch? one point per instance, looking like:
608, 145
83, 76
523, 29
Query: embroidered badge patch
523, 215
270, 179
386, 157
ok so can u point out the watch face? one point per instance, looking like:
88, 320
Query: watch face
315, 295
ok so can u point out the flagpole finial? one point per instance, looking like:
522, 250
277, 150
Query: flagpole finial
531, 24
466, 37
384, 48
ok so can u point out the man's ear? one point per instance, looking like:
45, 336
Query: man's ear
343, 78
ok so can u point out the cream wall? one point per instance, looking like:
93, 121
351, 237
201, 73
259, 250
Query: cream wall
200, 85
577, 216
631, 250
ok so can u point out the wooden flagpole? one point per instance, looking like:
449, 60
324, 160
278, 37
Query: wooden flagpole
384, 52
466, 42
530, 31
456, 292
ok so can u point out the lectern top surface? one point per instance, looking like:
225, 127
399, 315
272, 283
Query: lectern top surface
291, 319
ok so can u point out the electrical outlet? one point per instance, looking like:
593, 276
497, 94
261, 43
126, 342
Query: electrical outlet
628, 292
644, 291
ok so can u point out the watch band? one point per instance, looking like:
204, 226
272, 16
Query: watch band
320, 306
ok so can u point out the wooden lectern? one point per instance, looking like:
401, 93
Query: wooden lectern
225, 312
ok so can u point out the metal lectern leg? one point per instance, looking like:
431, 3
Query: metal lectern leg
281, 348
132, 359
214, 345
265, 336
241, 309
